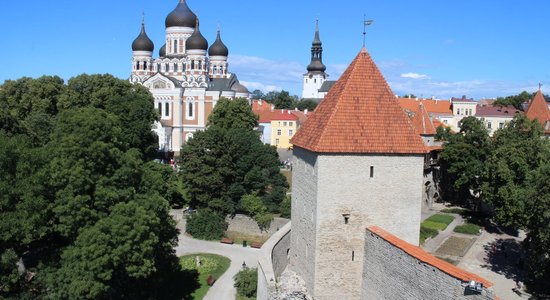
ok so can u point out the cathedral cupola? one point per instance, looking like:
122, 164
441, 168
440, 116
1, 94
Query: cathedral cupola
143, 42
162, 51
196, 41
181, 16
218, 48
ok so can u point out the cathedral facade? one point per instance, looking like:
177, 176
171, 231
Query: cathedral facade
186, 79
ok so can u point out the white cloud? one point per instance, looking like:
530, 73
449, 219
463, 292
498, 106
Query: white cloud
414, 76
260, 86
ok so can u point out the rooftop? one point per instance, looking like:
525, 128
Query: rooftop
360, 114
422, 122
538, 109
439, 107
496, 111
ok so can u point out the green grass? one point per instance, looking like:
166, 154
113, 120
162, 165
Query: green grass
458, 211
434, 225
211, 264
241, 297
468, 228
426, 233
238, 238
441, 218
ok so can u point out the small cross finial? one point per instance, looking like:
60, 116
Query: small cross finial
365, 24
142, 18
540, 86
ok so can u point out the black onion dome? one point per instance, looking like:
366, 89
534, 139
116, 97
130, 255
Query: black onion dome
181, 16
218, 48
143, 42
162, 51
316, 66
239, 88
196, 41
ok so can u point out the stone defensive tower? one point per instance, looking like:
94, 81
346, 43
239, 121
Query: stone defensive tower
358, 163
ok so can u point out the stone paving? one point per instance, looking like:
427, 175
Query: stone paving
223, 288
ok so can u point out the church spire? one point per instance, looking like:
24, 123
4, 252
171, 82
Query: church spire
316, 64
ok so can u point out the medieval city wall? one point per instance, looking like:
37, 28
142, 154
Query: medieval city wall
247, 225
348, 201
391, 273
272, 261
304, 215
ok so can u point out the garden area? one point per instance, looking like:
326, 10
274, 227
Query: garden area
209, 267
430, 227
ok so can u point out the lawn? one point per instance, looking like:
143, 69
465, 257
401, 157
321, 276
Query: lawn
441, 218
238, 238
455, 210
211, 264
434, 225
468, 228
455, 246
426, 233
241, 297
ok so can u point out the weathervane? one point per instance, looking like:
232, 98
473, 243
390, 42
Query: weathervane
365, 24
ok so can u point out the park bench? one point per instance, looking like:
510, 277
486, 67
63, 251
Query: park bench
227, 241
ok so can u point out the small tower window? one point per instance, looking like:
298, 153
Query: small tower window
371, 172
192, 65
352, 255
346, 218
176, 46
166, 109
190, 109
144, 65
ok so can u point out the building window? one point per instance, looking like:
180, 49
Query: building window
159, 106
279, 131
188, 137
144, 65
190, 109
166, 109
290, 123
276, 141
346, 218
176, 46
352, 255
371, 171
489, 125
290, 132
284, 123
500, 125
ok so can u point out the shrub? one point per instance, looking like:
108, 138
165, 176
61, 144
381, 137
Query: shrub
441, 218
285, 207
206, 224
246, 282
467, 228
426, 233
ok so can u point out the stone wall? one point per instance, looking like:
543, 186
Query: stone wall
272, 261
247, 225
350, 200
304, 215
392, 273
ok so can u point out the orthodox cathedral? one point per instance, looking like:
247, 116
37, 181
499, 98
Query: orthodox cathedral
186, 80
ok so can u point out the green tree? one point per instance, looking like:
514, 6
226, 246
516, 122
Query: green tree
304, 104
257, 94
281, 100
515, 100
255, 207
462, 162
246, 282
235, 113
443, 133
206, 224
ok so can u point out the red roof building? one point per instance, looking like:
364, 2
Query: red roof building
360, 114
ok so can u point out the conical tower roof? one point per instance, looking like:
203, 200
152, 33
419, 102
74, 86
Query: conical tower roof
360, 114
538, 109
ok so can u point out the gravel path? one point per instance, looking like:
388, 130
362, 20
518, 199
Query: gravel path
223, 288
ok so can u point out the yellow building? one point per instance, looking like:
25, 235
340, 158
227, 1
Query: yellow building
283, 127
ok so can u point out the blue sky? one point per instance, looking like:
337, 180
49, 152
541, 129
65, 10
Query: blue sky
429, 48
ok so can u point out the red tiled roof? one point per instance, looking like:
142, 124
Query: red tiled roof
260, 105
302, 116
439, 107
267, 116
496, 111
427, 258
538, 109
421, 121
360, 114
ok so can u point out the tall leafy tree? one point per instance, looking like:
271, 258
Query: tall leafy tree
462, 161
235, 113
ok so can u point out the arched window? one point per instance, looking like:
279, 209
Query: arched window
166, 109
176, 46
190, 109
188, 137
144, 65
192, 65
159, 106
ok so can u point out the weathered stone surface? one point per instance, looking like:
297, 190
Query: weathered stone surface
326, 251
247, 225
391, 273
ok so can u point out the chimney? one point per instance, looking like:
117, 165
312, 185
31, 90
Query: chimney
305, 111
272, 107
260, 102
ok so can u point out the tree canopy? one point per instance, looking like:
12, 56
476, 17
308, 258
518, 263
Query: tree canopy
235, 113
83, 209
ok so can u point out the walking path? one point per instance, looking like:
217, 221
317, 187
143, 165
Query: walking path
223, 288
432, 244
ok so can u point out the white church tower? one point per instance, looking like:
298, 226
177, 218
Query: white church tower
315, 76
